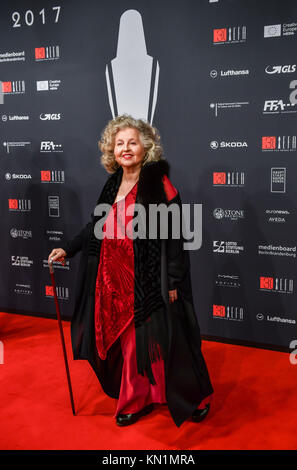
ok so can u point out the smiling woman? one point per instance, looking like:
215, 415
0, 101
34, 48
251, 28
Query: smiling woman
134, 318
142, 132
129, 153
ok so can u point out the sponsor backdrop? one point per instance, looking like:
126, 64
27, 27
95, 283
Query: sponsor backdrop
219, 80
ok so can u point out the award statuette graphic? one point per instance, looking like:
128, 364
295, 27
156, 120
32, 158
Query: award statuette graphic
51, 269
132, 77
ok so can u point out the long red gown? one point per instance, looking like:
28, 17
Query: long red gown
114, 304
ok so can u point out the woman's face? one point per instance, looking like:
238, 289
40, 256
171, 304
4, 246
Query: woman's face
128, 149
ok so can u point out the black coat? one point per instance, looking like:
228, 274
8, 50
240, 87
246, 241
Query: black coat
186, 376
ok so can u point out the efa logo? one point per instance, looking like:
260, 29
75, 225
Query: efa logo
13, 204
13, 87
61, 292
47, 53
219, 311
49, 291
266, 283
7, 87
219, 178
220, 35
40, 53
22, 205
269, 143
52, 176
45, 175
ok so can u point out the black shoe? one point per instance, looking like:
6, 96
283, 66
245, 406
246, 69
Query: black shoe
199, 415
125, 420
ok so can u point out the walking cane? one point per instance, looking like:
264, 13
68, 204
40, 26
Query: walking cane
51, 268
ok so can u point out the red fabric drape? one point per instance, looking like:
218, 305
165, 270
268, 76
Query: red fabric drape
114, 296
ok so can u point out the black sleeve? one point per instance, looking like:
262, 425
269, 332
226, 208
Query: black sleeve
75, 245
178, 260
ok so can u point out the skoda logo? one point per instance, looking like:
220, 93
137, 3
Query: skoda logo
8, 176
218, 213
214, 144
260, 316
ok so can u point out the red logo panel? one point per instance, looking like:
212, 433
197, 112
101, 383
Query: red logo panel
49, 290
219, 311
39, 52
266, 282
268, 142
12, 203
220, 35
45, 175
6, 87
219, 178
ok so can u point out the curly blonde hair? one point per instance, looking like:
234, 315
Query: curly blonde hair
149, 136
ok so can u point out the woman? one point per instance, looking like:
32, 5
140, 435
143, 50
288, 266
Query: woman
134, 319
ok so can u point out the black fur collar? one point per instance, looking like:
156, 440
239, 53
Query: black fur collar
150, 186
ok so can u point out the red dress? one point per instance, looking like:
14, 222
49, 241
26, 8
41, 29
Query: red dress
114, 307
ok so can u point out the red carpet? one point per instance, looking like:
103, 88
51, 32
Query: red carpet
254, 405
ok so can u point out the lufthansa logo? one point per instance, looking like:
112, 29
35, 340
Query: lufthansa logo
213, 74
260, 316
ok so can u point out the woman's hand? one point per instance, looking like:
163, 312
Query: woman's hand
172, 295
57, 254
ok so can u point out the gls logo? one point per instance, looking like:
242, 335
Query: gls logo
272, 69
50, 117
